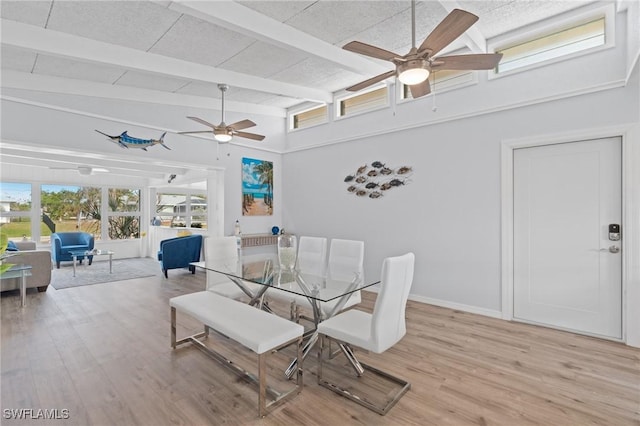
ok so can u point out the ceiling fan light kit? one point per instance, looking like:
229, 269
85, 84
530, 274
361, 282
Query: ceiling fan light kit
85, 171
221, 135
413, 72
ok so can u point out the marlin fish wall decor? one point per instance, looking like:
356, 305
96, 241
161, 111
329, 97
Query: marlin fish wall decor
126, 141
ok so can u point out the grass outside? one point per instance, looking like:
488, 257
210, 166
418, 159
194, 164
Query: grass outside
15, 230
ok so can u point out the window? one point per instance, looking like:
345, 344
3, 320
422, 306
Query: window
69, 208
124, 213
198, 212
367, 101
65, 208
15, 210
552, 45
443, 80
182, 210
309, 117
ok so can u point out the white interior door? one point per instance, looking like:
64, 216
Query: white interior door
567, 272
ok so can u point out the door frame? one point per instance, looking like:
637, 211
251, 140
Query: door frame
630, 228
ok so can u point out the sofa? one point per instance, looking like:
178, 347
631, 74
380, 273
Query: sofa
179, 252
40, 261
64, 242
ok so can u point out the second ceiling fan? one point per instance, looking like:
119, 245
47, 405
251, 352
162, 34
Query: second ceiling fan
225, 132
413, 69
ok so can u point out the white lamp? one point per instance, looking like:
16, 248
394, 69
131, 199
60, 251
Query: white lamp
413, 72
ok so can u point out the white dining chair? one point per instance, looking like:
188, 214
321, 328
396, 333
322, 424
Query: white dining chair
221, 251
312, 255
311, 260
374, 332
346, 259
346, 263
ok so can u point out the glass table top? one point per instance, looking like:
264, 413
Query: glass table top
265, 270
16, 271
90, 252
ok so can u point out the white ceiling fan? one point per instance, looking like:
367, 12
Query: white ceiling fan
84, 170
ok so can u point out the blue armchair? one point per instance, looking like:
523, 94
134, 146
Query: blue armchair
179, 252
63, 242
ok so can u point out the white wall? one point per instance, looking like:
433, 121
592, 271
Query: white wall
233, 193
448, 214
633, 33
632, 243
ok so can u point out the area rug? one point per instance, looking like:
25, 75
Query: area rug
98, 272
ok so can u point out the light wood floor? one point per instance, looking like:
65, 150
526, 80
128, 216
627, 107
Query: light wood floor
102, 352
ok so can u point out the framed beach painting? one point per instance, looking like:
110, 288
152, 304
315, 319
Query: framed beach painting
257, 187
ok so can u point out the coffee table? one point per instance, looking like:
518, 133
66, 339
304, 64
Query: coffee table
83, 253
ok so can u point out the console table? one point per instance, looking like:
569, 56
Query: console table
255, 240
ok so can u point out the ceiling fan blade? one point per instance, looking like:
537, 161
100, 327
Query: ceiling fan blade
253, 136
480, 61
451, 27
239, 125
201, 121
421, 89
369, 50
371, 81
195, 131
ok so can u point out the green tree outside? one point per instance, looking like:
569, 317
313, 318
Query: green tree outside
80, 210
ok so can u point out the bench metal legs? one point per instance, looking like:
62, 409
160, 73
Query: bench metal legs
392, 397
263, 389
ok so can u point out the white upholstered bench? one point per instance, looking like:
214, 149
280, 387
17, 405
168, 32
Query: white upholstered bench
255, 329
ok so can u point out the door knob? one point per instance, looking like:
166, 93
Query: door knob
611, 249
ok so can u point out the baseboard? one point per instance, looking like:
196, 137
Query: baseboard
451, 305
457, 306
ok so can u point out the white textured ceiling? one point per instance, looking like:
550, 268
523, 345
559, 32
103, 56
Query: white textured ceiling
214, 38
273, 54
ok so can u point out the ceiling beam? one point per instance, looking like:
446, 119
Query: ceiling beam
241, 19
72, 166
55, 43
473, 37
43, 83
28, 154
60, 157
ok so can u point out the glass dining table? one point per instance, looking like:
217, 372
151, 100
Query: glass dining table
260, 275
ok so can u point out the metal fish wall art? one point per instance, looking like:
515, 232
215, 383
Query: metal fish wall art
373, 181
126, 141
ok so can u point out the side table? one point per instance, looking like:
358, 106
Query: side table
22, 272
